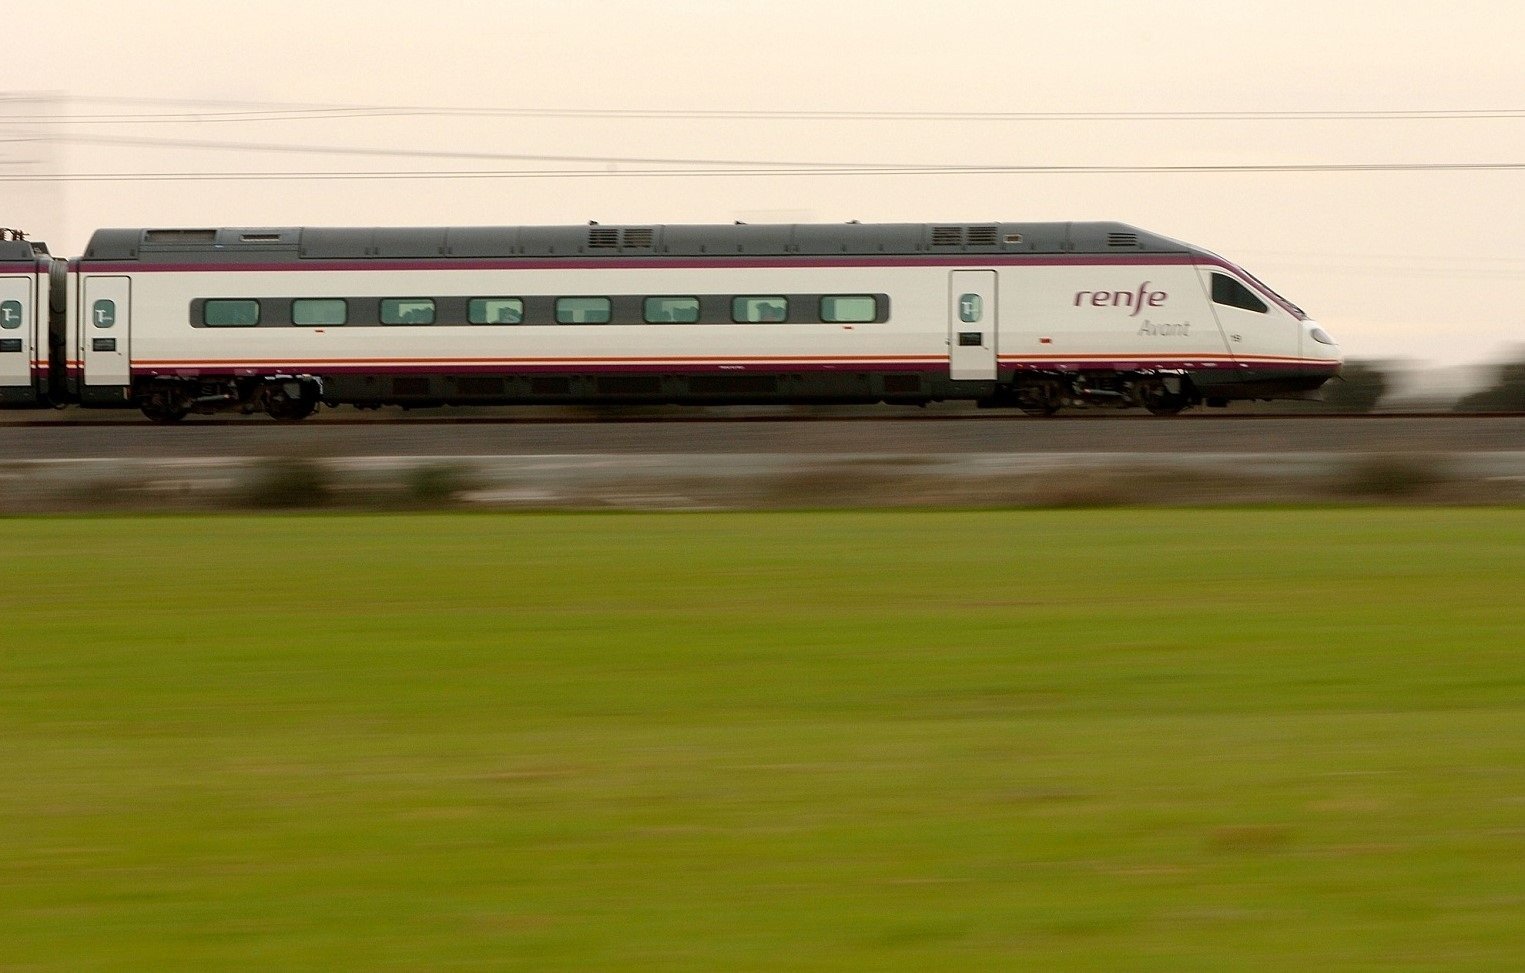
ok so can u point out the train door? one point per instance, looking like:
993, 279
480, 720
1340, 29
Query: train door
105, 321
1254, 328
972, 324
18, 331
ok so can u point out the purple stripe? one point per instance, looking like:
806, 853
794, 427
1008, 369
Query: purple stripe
564, 369
573, 368
640, 263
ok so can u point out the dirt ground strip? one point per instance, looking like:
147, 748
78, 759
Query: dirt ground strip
738, 481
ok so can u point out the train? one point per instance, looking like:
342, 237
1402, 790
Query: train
1035, 317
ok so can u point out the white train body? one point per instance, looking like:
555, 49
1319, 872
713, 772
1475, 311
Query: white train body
24, 314
1036, 316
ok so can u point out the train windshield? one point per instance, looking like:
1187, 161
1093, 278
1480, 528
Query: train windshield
1296, 311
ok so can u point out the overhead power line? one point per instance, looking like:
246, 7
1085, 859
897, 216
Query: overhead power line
271, 113
654, 166
762, 171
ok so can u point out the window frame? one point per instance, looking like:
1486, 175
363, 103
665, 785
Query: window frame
608, 304
211, 302
341, 301
381, 311
873, 304
737, 300
1238, 287
471, 303
646, 308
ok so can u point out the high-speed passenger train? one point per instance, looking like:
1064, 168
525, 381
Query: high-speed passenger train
1035, 316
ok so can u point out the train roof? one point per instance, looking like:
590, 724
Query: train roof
14, 249
250, 244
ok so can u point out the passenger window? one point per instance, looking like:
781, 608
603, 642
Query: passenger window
1229, 292
407, 310
748, 310
319, 311
852, 308
674, 310
495, 310
10, 315
583, 310
215, 314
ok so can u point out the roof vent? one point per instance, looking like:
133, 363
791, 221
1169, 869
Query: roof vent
603, 238
947, 236
180, 236
639, 238
982, 236
260, 238
1122, 239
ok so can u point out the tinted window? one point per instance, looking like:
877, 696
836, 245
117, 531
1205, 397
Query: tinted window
315, 311
678, 310
1228, 291
407, 310
582, 310
495, 310
759, 309
227, 314
851, 308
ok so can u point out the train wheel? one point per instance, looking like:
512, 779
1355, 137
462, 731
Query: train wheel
291, 410
291, 401
164, 407
1160, 401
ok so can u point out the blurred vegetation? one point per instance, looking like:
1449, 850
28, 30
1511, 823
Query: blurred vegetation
1506, 394
434, 484
1359, 387
1392, 476
286, 483
1058, 740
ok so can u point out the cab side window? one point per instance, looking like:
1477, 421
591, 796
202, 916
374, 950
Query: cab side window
1229, 292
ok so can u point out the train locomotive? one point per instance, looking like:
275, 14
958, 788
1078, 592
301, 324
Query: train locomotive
1030, 316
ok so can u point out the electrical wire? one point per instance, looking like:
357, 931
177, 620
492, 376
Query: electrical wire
219, 112
479, 174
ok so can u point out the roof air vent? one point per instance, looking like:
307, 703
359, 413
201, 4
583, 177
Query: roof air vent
1122, 239
639, 238
603, 238
982, 236
947, 236
180, 236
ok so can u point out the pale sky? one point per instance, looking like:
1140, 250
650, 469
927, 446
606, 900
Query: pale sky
1426, 264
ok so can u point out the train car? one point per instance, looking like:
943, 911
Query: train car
26, 290
1036, 316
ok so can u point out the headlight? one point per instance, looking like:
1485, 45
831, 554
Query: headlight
1321, 336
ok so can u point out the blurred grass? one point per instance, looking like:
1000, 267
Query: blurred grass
1065, 740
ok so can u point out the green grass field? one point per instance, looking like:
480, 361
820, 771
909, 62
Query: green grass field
1084, 740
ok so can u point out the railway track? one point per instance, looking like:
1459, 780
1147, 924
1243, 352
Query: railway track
710, 436
134, 421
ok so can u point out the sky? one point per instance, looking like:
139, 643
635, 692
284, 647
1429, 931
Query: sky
679, 111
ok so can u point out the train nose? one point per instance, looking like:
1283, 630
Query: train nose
1318, 344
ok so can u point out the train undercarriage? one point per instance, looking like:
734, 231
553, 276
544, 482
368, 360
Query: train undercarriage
284, 397
1162, 393
291, 397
